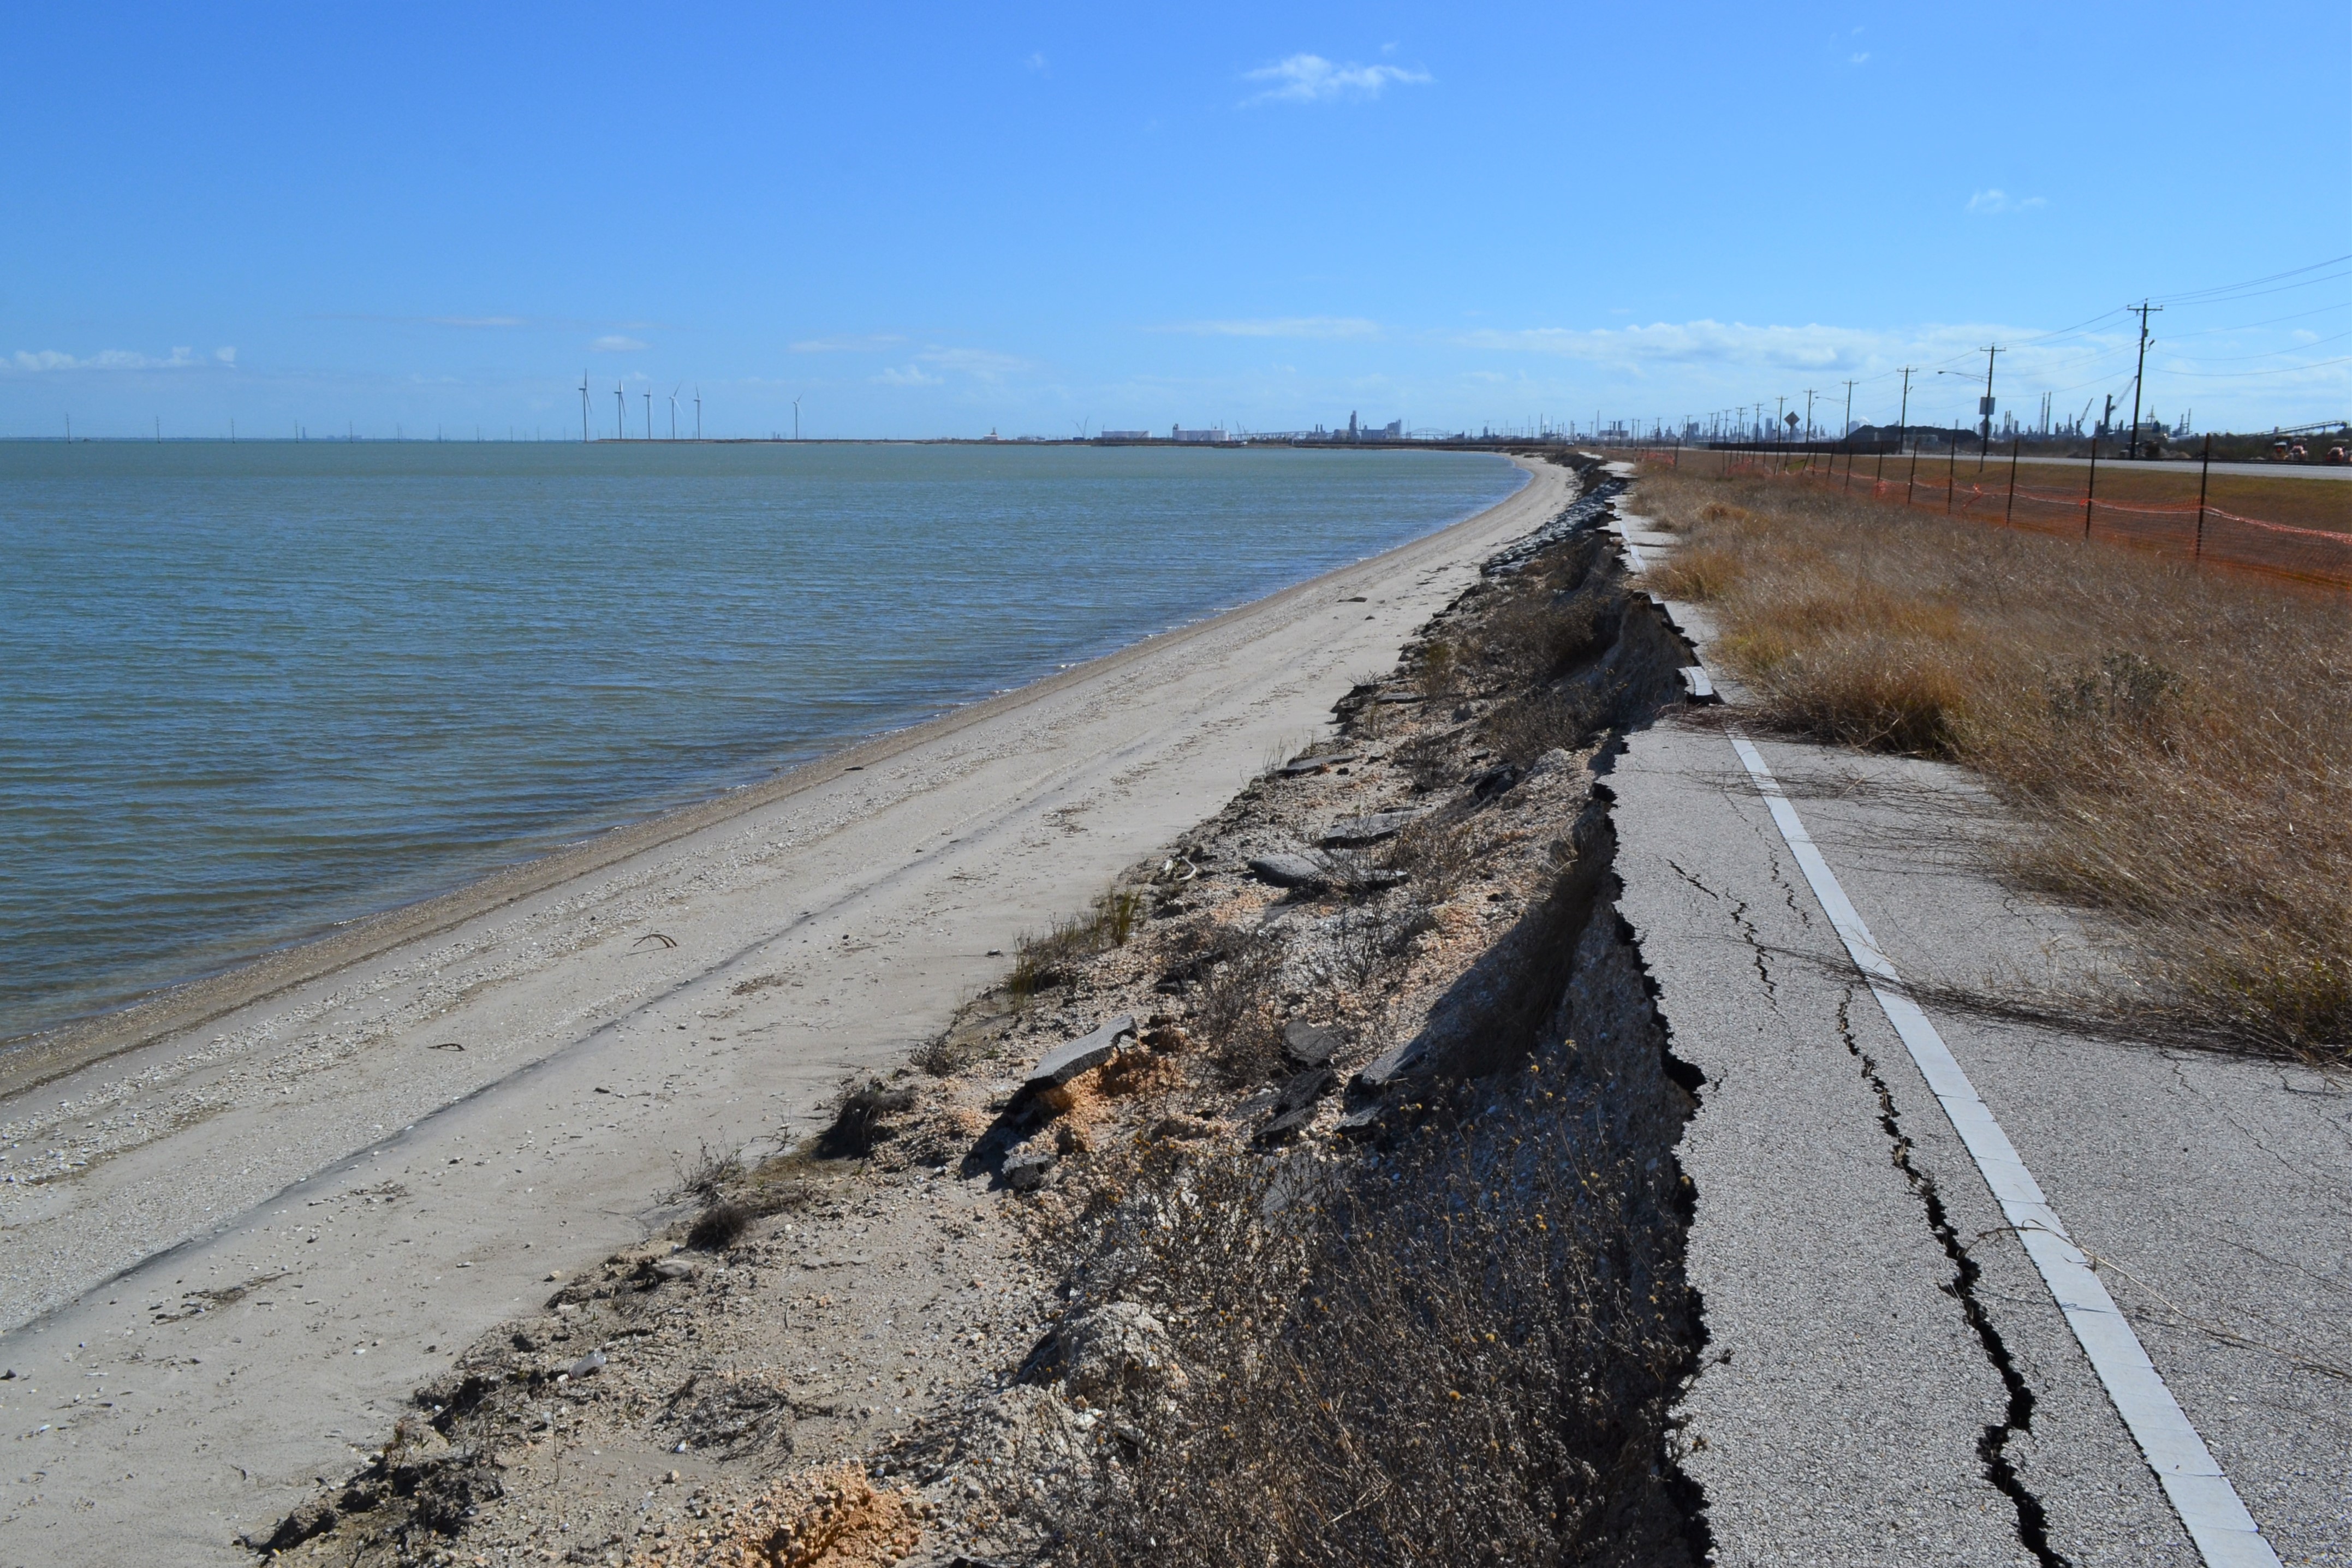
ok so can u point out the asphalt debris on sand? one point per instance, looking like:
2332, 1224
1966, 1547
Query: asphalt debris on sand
992, 1322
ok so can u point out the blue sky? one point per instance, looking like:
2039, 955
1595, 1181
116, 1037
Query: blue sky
941, 221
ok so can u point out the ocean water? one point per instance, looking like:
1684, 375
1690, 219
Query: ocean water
250, 691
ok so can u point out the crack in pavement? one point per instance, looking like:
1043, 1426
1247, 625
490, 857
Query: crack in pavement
2032, 1519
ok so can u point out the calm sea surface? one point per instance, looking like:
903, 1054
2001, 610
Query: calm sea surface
249, 691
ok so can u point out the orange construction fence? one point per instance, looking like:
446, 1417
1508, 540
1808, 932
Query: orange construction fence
2205, 534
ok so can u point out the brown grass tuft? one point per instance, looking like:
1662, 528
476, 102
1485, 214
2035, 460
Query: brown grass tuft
2180, 739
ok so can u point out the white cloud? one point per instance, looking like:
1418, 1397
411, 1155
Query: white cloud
1688, 342
1311, 79
224, 355
1279, 327
613, 343
104, 360
868, 343
911, 376
1988, 203
1035, 62
980, 363
1861, 59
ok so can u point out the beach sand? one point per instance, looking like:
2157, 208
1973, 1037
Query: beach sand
286, 1210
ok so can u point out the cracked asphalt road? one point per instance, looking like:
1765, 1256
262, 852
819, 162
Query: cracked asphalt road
1886, 1376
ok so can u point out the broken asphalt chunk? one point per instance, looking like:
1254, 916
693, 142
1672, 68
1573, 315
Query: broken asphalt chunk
1064, 1063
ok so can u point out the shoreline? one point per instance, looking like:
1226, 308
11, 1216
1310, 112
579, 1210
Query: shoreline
32, 1060
274, 1228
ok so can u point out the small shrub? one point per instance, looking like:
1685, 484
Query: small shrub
718, 1227
937, 1056
1435, 853
1430, 760
859, 1117
1433, 669
1233, 1007
703, 1175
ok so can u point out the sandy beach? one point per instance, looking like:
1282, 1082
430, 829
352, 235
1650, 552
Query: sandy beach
283, 1210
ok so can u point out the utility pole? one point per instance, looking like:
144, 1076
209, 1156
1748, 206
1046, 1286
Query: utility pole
2091, 488
1903, 419
2143, 308
1846, 431
1984, 409
1809, 416
2204, 471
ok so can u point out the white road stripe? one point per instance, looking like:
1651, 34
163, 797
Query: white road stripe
2225, 1533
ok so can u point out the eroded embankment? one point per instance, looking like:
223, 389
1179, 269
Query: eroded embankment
1361, 1242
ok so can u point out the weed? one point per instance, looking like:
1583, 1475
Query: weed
860, 1113
704, 1175
718, 1227
1232, 1006
1436, 853
1433, 669
1041, 963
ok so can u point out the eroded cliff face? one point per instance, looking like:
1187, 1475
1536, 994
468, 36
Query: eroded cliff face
1360, 1242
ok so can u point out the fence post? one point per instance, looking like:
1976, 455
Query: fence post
2011, 509
1911, 480
1951, 472
2091, 489
2203, 469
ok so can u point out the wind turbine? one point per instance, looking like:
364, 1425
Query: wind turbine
584, 406
796, 418
620, 412
697, 413
649, 414
673, 411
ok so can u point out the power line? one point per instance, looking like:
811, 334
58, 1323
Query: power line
2205, 296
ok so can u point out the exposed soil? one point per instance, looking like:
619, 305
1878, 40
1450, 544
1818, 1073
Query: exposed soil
1363, 1243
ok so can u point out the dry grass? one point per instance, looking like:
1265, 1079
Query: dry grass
2181, 740
1462, 1352
1040, 963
